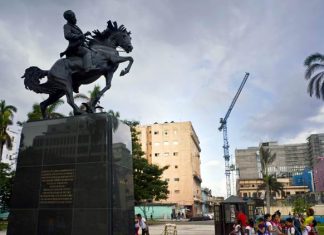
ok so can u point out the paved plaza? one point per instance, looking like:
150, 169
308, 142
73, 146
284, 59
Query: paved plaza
185, 229
182, 229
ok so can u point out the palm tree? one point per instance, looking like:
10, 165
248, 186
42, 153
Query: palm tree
266, 158
92, 94
274, 185
6, 117
315, 74
115, 118
36, 113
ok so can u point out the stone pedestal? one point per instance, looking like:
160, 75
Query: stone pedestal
74, 177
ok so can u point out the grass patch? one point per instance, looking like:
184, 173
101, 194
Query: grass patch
320, 229
3, 225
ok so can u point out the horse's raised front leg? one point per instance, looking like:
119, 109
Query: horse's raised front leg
94, 102
120, 59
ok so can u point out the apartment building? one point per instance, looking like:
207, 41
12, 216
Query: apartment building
176, 144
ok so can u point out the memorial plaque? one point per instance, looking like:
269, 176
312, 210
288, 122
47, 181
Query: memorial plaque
74, 177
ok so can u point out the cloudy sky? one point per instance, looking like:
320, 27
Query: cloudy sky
190, 58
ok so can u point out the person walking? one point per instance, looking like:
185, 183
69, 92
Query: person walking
142, 224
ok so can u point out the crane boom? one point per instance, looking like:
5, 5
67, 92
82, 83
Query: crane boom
223, 120
223, 127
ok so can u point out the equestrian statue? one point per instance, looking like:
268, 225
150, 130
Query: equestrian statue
86, 59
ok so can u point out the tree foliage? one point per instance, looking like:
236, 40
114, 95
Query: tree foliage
36, 113
266, 158
6, 119
300, 204
148, 183
6, 182
315, 74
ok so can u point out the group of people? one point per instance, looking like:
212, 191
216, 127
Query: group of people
274, 225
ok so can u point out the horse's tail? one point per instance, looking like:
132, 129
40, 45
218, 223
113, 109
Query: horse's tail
32, 80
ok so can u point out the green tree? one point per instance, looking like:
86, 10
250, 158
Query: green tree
36, 113
274, 185
6, 119
92, 94
148, 183
300, 204
266, 158
115, 118
315, 74
6, 182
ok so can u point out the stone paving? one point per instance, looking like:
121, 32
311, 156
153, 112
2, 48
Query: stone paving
185, 229
182, 229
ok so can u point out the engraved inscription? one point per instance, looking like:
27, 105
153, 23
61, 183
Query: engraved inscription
57, 186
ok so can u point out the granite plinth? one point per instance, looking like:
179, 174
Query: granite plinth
74, 177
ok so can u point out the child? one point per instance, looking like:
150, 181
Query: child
237, 228
260, 227
290, 227
249, 229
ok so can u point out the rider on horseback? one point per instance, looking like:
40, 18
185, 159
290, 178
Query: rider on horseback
77, 41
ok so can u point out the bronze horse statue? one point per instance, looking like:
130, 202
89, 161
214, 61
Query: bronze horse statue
67, 74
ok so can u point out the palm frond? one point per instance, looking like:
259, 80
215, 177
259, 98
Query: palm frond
81, 97
94, 92
318, 85
51, 108
8, 141
310, 88
317, 57
312, 69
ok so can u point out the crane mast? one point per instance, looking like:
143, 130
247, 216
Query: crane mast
223, 127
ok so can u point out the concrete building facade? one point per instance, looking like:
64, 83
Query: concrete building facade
290, 159
249, 188
176, 145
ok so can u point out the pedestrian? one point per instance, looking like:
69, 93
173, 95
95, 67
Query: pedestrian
249, 229
289, 228
260, 226
237, 228
137, 226
142, 224
297, 224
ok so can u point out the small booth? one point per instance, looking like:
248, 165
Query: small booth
225, 213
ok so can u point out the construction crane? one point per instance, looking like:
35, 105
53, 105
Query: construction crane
223, 127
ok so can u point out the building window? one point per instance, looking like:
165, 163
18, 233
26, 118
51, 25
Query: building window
156, 154
166, 154
175, 166
165, 132
166, 143
176, 179
176, 191
156, 132
157, 144
244, 194
175, 154
175, 142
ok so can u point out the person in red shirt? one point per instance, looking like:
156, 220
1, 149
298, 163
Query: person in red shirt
240, 216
